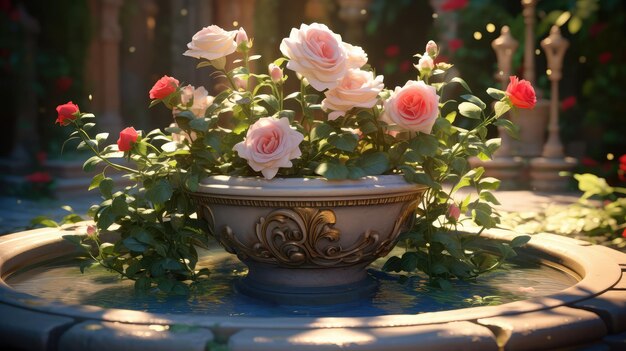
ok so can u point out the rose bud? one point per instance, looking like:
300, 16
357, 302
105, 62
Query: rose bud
128, 137
275, 73
67, 113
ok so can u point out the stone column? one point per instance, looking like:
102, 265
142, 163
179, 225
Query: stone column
533, 122
26, 137
103, 65
546, 170
188, 17
503, 166
354, 13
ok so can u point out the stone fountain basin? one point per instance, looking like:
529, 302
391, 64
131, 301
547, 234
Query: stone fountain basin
590, 313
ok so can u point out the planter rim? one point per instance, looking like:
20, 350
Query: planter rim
309, 187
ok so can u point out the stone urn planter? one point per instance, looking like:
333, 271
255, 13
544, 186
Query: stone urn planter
307, 240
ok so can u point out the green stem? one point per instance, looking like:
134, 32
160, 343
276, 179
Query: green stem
86, 139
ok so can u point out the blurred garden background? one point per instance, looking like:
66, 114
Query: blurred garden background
105, 55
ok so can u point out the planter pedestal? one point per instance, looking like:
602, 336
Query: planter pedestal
308, 240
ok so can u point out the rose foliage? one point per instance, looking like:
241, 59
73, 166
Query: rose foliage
342, 123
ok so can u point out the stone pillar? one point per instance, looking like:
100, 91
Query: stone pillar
137, 58
26, 137
503, 166
354, 13
546, 170
533, 122
188, 17
104, 66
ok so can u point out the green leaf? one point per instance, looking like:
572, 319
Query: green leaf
106, 187
489, 197
345, 142
374, 163
101, 137
462, 82
425, 144
470, 110
44, 221
489, 183
95, 181
355, 172
332, 170
87, 145
213, 140
91, 163
270, 100
520, 240
592, 185
199, 124
159, 192
393, 264
475, 100
134, 245
501, 108
321, 131
409, 261
511, 128
497, 94
574, 24
119, 207
105, 218
88, 126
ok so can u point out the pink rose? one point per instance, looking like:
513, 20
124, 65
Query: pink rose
356, 89
270, 144
432, 49
163, 87
212, 43
426, 63
199, 98
415, 107
319, 55
276, 74
242, 41
67, 113
128, 137
520, 93
454, 212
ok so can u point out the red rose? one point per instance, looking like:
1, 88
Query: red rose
624, 233
520, 93
163, 87
392, 50
605, 57
39, 177
67, 113
128, 136
455, 44
568, 103
452, 5
622, 162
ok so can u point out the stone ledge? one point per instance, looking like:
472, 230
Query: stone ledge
449, 336
106, 336
611, 306
546, 329
27, 330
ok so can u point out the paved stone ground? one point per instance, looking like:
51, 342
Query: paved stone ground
16, 213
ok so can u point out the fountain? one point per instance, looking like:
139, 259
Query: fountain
588, 306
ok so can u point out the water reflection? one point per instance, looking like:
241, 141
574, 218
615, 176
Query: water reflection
62, 281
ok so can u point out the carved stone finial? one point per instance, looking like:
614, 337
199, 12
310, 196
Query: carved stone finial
529, 43
555, 46
504, 46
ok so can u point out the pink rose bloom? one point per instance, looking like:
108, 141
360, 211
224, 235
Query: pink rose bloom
426, 63
319, 55
270, 144
241, 37
454, 212
276, 74
212, 43
521, 93
199, 98
415, 107
357, 88
432, 49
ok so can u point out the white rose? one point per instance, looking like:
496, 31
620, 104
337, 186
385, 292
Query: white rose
357, 88
319, 55
270, 144
212, 43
